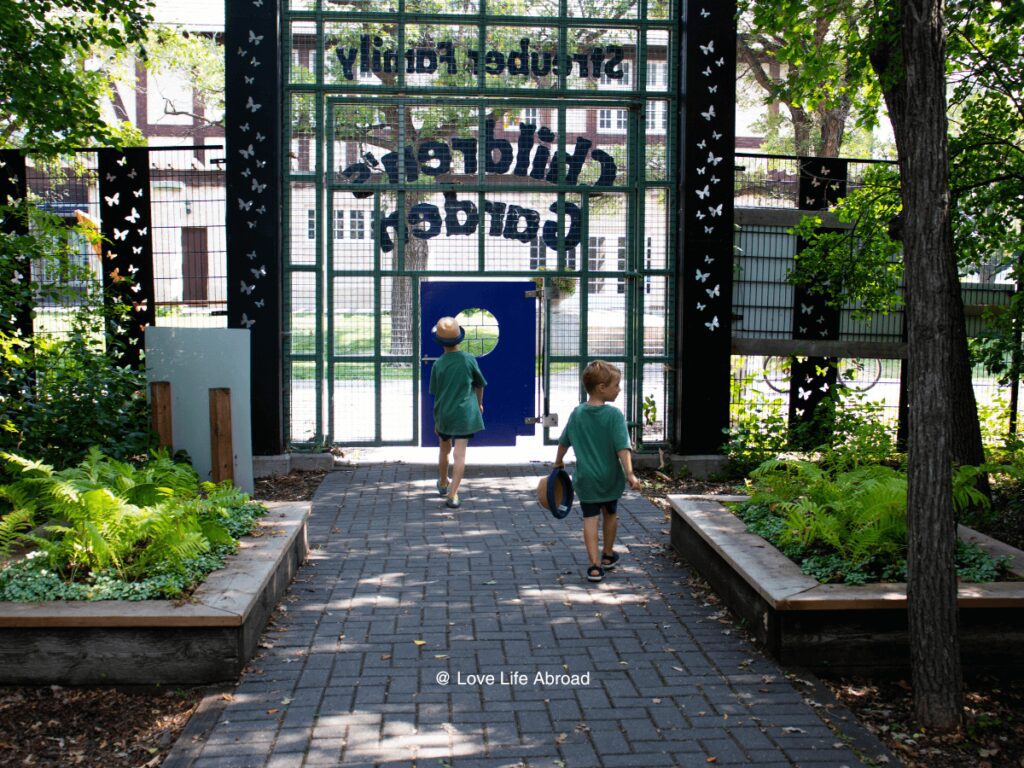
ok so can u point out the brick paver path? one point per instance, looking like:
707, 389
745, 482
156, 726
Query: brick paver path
370, 660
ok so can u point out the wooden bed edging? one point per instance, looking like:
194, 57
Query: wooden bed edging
208, 638
837, 627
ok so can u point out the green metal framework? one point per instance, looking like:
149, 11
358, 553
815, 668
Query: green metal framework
351, 298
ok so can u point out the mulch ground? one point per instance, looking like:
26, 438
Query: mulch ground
993, 732
58, 727
55, 727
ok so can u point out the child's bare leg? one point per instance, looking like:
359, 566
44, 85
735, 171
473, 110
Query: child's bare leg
442, 461
590, 539
611, 528
460, 464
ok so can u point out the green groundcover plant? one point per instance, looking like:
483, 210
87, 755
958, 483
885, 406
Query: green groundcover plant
850, 525
106, 529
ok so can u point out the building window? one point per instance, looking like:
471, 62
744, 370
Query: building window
538, 254
356, 225
595, 263
339, 225
620, 286
311, 224
657, 74
627, 76
570, 259
611, 120
648, 265
531, 116
604, 119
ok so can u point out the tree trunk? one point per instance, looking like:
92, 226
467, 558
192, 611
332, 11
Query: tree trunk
914, 80
403, 290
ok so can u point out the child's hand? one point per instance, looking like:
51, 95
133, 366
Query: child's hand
634, 483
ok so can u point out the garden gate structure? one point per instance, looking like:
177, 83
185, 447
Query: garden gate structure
583, 145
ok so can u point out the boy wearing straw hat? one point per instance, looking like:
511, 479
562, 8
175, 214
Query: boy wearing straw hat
604, 462
458, 389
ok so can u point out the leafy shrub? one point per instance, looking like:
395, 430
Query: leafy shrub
108, 528
848, 526
758, 430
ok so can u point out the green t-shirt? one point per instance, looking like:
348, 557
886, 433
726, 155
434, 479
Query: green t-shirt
597, 433
452, 379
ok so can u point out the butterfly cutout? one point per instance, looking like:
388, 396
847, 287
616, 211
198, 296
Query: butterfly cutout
254, 62
706, 72
260, 136
252, 105
702, 193
133, 216
114, 199
258, 187
701, 307
806, 308
260, 303
251, 255
261, 210
704, 13
258, 273
712, 89
249, 79
815, 182
137, 192
709, 114
247, 322
261, 163
713, 324
700, 215
810, 201
137, 249
708, 230
246, 173
258, 3
242, 52
713, 292
702, 276
715, 210
252, 224
804, 394
700, 171
702, 144
712, 159
136, 288
709, 48
720, 62
143, 231
122, 161
244, 205
247, 153
139, 306
714, 179
120, 234
111, 255
823, 332
824, 170
716, 135
244, 127
254, 38
247, 289
17, 276
110, 177
132, 173
132, 269
799, 411
824, 387
709, 259
820, 320
803, 329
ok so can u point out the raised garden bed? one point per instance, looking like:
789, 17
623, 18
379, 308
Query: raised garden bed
207, 638
837, 627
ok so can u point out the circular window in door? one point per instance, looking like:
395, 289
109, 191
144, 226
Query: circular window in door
481, 331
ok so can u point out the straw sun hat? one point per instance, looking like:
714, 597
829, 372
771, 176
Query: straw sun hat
448, 332
555, 493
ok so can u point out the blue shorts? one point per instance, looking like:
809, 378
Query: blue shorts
445, 438
593, 508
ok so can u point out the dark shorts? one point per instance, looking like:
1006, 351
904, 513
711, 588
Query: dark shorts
593, 508
454, 437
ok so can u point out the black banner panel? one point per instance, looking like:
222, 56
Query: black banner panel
705, 278
127, 247
13, 187
253, 134
822, 183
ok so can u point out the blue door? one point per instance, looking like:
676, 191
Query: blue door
489, 311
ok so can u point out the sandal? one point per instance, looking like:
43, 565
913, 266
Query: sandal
453, 502
442, 490
595, 573
608, 561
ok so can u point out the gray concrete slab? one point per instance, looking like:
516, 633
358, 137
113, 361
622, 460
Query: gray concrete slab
419, 635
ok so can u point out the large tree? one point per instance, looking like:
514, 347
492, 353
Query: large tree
51, 90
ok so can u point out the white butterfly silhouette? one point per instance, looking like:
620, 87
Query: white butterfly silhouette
254, 38
701, 144
713, 324
824, 387
258, 187
260, 136
242, 51
247, 322
252, 105
720, 62
133, 216
704, 13
701, 307
803, 329
799, 411
700, 215
700, 171
113, 200
244, 127
702, 276
804, 394
823, 332
137, 249
110, 177
258, 3
714, 179
712, 89
132, 269
120, 234
261, 163
246, 173
709, 48
716, 135
715, 210
132, 173
261, 210
820, 320
261, 272
815, 183
260, 303
824, 170
252, 224
18, 277
806, 308
708, 230
810, 201
251, 255
137, 193
706, 72
254, 62
708, 259
702, 193
712, 159
136, 288
709, 114
247, 153
244, 205
713, 292
247, 289
142, 232
249, 80
122, 161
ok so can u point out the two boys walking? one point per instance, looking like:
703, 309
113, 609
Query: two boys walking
595, 431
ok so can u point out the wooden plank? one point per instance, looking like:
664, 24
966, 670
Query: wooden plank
883, 350
222, 459
160, 404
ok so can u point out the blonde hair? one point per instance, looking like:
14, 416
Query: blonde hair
599, 372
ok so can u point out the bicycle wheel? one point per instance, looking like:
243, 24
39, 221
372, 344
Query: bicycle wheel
776, 373
860, 373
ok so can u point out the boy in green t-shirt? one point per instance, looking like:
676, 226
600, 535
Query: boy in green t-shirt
458, 389
604, 462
